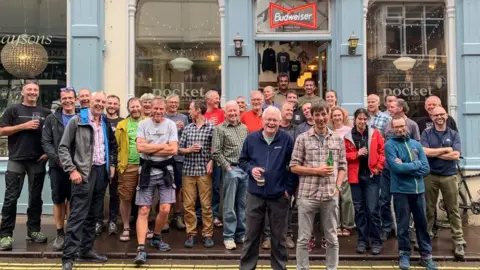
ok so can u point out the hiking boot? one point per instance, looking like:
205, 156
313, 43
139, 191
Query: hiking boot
112, 228
141, 257
190, 242
98, 228
459, 252
290, 242
229, 244
58, 242
404, 262
36, 237
178, 222
428, 263
266, 243
6, 243
208, 242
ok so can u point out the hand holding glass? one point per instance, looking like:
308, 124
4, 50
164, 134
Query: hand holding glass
259, 175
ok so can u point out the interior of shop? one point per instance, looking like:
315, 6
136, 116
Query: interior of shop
300, 60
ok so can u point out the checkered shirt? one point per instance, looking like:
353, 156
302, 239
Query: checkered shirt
379, 121
195, 164
228, 142
310, 152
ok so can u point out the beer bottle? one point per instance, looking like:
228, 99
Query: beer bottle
330, 159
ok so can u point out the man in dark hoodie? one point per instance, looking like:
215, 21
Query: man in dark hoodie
265, 157
59, 179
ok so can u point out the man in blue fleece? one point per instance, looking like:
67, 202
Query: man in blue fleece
408, 165
265, 158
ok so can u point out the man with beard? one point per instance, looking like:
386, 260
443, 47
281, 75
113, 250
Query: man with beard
281, 95
426, 122
113, 108
320, 184
181, 121
309, 87
253, 118
298, 116
265, 157
59, 179
227, 143
91, 163
128, 162
242, 104
157, 141
84, 96
146, 101
408, 165
442, 147
22, 123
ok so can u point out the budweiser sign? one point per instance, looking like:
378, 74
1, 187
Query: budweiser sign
305, 16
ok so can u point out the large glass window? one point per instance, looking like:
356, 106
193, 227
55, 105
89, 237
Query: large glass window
44, 26
406, 53
276, 16
177, 49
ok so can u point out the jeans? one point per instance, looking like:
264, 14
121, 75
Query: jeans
257, 209
114, 204
385, 202
235, 184
307, 209
406, 204
367, 213
14, 178
86, 201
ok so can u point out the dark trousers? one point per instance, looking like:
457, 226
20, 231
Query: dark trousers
367, 213
114, 205
406, 204
385, 202
14, 178
86, 201
267, 233
257, 209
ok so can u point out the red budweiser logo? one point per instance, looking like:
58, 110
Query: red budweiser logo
305, 16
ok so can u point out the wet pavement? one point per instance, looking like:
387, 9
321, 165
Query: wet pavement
113, 248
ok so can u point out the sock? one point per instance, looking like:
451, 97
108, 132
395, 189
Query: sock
141, 247
60, 232
156, 236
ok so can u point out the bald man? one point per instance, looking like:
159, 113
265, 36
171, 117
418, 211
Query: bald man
378, 119
84, 96
426, 121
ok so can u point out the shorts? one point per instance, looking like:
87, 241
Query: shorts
166, 195
177, 171
61, 185
127, 182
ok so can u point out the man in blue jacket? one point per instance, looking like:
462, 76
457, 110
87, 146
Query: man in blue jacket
408, 165
265, 158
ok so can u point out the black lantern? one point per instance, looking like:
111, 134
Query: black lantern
352, 44
238, 45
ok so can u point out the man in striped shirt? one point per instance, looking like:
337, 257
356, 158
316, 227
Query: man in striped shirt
228, 140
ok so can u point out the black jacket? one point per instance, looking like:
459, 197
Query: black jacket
147, 165
51, 135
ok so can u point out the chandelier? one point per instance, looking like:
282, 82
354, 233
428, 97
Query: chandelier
23, 59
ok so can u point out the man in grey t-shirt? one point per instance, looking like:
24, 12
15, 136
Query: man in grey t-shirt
157, 140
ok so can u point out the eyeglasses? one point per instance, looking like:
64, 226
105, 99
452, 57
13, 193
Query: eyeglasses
67, 89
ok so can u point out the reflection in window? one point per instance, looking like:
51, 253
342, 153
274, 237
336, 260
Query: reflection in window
406, 53
177, 49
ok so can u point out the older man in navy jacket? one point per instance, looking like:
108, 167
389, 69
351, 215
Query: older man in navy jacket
265, 157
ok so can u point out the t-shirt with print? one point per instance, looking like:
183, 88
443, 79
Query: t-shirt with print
25, 144
283, 60
66, 118
157, 133
295, 68
133, 155
178, 117
114, 122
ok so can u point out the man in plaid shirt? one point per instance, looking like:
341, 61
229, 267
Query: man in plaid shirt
195, 145
320, 184
378, 119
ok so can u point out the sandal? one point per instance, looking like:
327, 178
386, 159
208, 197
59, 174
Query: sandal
340, 232
149, 234
347, 232
217, 223
124, 237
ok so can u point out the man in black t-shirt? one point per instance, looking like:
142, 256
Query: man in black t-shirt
426, 122
22, 123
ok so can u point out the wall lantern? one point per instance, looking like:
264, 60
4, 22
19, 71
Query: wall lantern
352, 44
237, 40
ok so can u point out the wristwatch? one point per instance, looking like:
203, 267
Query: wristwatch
339, 188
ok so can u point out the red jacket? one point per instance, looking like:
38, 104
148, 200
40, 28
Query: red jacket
376, 155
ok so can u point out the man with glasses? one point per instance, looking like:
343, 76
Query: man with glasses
23, 123
59, 180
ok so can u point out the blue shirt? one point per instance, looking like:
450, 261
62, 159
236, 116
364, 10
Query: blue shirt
66, 118
432, 138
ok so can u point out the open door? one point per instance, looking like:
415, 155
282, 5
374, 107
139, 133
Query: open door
323, 70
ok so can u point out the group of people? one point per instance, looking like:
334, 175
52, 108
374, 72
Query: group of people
285, 152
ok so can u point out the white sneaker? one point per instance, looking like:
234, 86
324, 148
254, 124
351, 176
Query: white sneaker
229, 244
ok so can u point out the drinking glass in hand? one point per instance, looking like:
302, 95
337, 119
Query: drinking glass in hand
36, 116
261, 179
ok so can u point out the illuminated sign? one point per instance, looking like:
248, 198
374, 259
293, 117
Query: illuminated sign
305, 16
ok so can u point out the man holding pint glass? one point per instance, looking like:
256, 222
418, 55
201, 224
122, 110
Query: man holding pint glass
265, 158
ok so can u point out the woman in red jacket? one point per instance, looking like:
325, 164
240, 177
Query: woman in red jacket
366, 159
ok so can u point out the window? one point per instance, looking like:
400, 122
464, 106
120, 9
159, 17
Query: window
177, 49
406, 53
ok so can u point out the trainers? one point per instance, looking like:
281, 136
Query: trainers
166, 228
429, 264
208, 242
384, 236
266, 243
290, 243
6, 243
98, 228
311, 244
158, 243
404, 262
141, 257
36, 237
459, 252
58, 242
112, 228
178, 222
376, 250
229, 244
190, 242
361, 248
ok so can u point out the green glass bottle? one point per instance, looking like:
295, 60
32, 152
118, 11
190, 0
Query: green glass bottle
330, 159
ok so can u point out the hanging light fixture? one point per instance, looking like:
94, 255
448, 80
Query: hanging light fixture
24, 60
181, 64
404, 63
